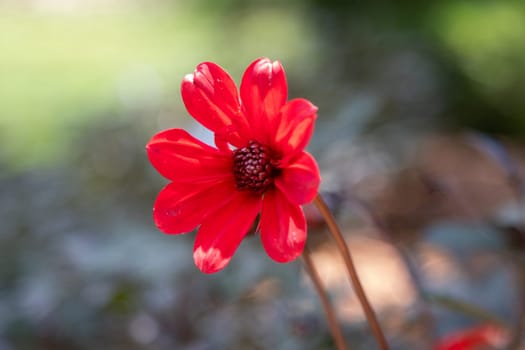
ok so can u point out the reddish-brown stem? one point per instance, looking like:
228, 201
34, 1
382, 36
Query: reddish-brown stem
334, 326
352, 273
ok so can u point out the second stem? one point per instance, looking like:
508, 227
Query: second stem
352, 273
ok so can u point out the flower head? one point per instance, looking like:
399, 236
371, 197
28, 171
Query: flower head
258, 165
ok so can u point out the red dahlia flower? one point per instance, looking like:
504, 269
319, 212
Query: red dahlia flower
258, 165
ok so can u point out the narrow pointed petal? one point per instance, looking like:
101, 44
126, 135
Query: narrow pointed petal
283, 227
180, 157
210, 96
264, 92
300, 180
296, 126
180, 208
223, 230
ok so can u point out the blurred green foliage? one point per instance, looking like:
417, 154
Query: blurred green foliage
61, 70
486, 40
57, 69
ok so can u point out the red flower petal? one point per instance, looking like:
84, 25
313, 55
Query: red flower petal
296, 126
223, 230
283, 227
263, 92
210, 96
180, 157
300, 180
180, 208
478, 337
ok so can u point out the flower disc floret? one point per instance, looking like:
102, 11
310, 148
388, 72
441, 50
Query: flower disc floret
254, 168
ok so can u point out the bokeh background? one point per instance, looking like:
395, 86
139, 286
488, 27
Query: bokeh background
419, 139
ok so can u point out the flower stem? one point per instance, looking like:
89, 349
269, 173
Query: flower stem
354, 278
334, 326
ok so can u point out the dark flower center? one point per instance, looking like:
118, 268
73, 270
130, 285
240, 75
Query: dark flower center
254, 167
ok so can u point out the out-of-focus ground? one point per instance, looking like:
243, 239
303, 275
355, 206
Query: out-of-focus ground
419, 140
